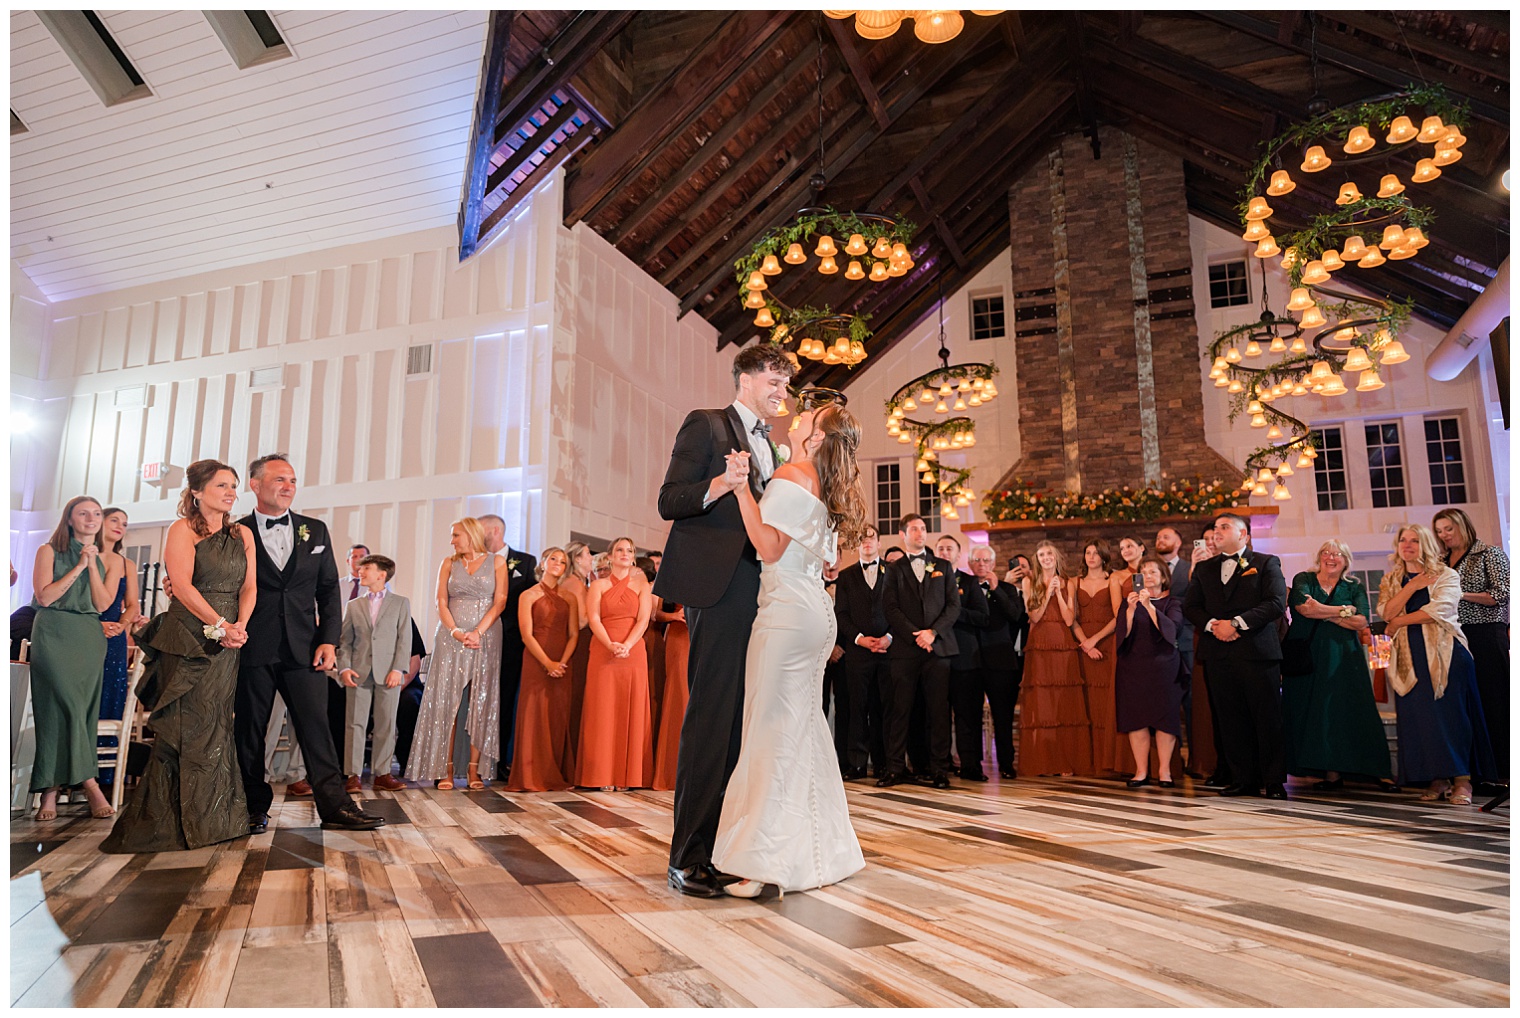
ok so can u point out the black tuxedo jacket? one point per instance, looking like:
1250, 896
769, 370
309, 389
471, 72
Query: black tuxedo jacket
861, 609
300, 607
933, 604
1256, 593
705, 544
1180, 584
519, 580
1005, 616
973, 618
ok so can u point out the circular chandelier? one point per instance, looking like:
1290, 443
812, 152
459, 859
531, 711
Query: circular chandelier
932, 27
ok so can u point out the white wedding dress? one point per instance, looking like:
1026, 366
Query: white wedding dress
785, 820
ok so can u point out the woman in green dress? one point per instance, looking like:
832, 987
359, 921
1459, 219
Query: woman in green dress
74, 584
191, 794
1330, 719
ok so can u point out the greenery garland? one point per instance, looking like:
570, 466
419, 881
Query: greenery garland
1182, 498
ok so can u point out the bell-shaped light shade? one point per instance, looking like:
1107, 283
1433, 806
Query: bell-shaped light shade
960, 404
1357, 360
842, 345
1445, 156
1359, 140
1334, 387
1314, 273
1259, 489
1298, 345
944, 389
1425, 171
1390, 185
1369, 381
1372, 259
927, 396
1300, 300
757, 281
1304, 462
832, 357
1354, 249
765, 319
905, 438
1256, 232
770, 267
1401, 130
1274, 432
974, 400
1393, 236
941, 407
795, 255
1454, 138
893, 430
1315, 160
754, 300
857, 246
874, 33
1253, 407
828, 266
1278, 345
937, 26
839, 15
1281, 184
1416, 236
882, 250
1403, 251
989, 391
826, 248
1221, 382
1321, 372
1264, 474
1285, 469
1259, 421
1266, 248
1312, 319
854, 271
1349, 193
1280, 492
1431, 130
896, 269
908, 405
857, 351
1236, 385
1290, 256
878, 272
1258, 209
1232, 356
1253, 349
1393, 353
1331, 260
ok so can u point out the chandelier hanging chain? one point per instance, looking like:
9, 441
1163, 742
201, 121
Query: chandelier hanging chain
819, 180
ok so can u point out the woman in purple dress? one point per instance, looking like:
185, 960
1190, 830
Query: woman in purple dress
1147, 679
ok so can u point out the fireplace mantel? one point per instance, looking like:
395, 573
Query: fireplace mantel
1262, 517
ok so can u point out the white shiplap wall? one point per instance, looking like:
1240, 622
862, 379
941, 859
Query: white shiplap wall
360, 136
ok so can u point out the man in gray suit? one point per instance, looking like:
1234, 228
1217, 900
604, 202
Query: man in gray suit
374, 654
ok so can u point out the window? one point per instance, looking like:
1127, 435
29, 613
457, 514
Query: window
101, 62
888, 496
928, 506
1443, 447
1385, 465
1371, 578
1228, 285
987, 317
1330, 469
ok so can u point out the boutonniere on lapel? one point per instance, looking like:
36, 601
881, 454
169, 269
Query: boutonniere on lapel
781, 453
512, 564
303, 533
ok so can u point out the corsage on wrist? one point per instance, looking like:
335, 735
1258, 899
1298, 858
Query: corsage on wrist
1348, 610
215, 631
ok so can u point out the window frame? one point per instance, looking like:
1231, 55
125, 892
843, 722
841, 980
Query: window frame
1229, 298
888, 524
1324, 497
1001, 314
1436, 462
1382, 493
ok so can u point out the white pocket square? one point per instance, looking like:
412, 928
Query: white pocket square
320, 547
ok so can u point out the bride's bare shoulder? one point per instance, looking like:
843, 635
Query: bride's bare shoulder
801, 474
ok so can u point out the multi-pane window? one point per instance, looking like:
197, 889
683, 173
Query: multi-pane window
1330, 469
888, 496
928, 505
1443, 448
1228, 285
1370, 578
987, 317
1385, 465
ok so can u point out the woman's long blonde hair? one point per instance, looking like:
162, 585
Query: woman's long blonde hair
1431, 559
1037, 588
839, 473
474, 533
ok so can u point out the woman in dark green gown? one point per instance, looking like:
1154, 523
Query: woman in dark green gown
191, 793
1331, 724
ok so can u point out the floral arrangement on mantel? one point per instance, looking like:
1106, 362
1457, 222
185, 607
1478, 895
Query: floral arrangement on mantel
1121, 505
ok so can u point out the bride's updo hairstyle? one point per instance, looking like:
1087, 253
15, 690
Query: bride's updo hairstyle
839, 474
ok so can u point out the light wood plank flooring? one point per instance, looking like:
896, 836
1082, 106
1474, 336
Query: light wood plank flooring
1028, 893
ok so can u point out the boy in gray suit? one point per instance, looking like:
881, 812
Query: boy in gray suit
373, 656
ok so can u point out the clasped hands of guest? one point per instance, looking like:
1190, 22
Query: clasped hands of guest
112, 629
470, 638
924, 638
1224, 631
237, 635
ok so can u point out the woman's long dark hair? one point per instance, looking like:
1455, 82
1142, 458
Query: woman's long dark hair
197, 476
839, 474
64, 533
100, 538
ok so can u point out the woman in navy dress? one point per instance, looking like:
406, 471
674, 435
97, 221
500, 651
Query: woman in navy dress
1148, 675
1442, 737
116, 622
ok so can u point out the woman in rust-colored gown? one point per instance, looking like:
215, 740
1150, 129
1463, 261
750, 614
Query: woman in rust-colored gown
1097, 606
550, 625
1054, 729
673, 706
616, 750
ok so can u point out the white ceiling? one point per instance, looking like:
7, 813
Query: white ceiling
360, 135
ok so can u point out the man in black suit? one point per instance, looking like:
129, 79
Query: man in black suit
861, 611
1002, 666
715, 573
1236, 600
922, 604
520, 578
1169, 550
966, 666
292, 639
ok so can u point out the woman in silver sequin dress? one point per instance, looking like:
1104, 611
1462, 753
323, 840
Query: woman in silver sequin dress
472, 591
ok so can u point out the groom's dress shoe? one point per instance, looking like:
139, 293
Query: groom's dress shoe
888, 780
258, 823
939, 780
352, 818
699, 881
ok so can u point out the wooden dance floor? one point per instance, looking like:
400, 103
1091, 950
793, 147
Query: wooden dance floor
1030, 893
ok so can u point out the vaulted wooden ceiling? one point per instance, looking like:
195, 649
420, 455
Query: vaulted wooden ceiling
699, 131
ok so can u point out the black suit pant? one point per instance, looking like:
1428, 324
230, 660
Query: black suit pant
928, 676
714, 719
305, 694
511, 681
1000, 687
837, 688
867, 676
1248, 695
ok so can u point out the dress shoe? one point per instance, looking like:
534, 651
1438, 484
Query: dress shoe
1137, 782
1008, 774
699, 881
302, 787
352, 818
258, 823
352, 784
973, 775
1233, 790
389, 783
1216, 780
754, 890
852, 773
1276, 792
1166, 783
889, 779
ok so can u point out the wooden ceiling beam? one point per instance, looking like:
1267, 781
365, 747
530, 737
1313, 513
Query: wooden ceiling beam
1076, 48
567, 53
1390, 31
1140, 51
482, 131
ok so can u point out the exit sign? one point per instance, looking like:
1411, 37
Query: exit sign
152, 472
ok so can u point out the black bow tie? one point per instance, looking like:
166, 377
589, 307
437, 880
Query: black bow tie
922, 556
283, 521
869, 565
762, 429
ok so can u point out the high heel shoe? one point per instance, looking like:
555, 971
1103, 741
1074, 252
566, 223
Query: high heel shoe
1137, 782
754, 890
1461, 796
447, 784
472, 778
1435, 793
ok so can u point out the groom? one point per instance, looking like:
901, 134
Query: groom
711, 568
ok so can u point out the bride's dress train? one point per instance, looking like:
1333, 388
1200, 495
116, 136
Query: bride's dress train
785, 820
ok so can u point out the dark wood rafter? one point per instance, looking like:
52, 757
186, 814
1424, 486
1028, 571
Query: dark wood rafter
1076, 47
482, 130
1388, 29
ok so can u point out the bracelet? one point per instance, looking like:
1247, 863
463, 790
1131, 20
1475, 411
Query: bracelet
455, 631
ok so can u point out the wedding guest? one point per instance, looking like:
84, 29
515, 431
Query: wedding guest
466, 666
603, 563
1239, 597
667, 745
374, 656
522, 569
1331, 725
966, 667
354, 584
116, 622
1442, 736
1168, 545
860, 614
654, 649
73, 584
1484, 613
1055, 732
892, 555
1131, 551
1147, 679
577, 584
191, 793
410, 705
1000, 673
1206, 758
617, 738
337, 699
1097, 606
22, 620
548, 620
655, 558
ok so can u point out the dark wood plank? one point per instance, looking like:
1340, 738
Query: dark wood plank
25, 853
493, 802
143, 910
1495, 865
599, 815
471, 970
1052, 850
1128, 823
391, 809
296, 848
945, 807
844, 928
527, 864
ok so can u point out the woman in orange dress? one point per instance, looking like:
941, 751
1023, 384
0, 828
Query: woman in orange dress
549, 621
1097, 602
1054, 730
616, 750
667, 745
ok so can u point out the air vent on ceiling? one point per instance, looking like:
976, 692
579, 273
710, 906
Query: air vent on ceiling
132, 397
251, 37
419, 360
17, 127
266, 378
84, 37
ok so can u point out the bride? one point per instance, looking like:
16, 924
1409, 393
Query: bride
784, 820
